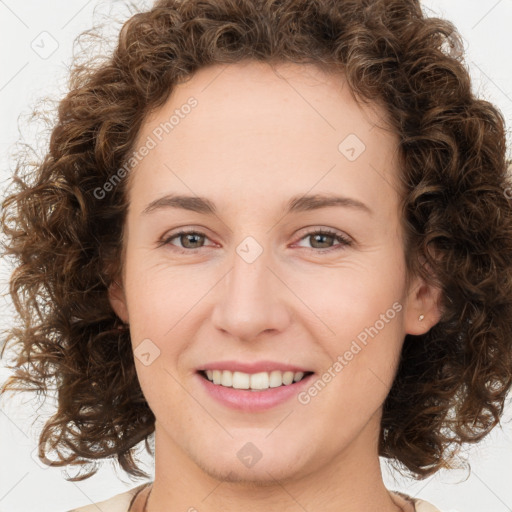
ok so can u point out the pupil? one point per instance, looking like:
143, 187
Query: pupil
321, 236
188, 239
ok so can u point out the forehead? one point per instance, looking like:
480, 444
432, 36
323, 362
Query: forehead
267, 96
256, 127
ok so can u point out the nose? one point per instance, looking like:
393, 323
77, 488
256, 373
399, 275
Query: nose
252, 300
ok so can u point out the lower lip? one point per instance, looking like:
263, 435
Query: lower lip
252, 401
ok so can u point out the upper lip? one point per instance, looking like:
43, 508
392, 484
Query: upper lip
254, 367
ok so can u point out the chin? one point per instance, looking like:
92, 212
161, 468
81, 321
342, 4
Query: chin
262, 476
259, 463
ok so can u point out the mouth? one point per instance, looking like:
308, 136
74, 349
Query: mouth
261, 381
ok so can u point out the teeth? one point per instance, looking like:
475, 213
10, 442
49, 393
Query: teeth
226, 379
256, 381
259, 380
298, 376
287, 378
241, 380
276, 379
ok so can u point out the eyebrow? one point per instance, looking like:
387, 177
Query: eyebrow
294, 205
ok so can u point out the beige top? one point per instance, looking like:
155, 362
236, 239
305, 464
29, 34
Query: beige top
134, 499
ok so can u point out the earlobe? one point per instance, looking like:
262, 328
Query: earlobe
117, 300
423, 308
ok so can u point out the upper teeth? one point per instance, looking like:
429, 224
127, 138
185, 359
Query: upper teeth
262, 380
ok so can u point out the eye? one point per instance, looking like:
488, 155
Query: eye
191, 241
322, 239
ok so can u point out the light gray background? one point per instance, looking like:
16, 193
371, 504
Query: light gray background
28, 72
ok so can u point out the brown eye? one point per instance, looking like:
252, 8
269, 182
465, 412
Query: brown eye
191, 240
188, 240
323, 239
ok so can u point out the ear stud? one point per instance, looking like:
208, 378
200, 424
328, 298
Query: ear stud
421, 317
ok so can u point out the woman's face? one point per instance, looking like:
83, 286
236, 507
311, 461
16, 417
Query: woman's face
235, 156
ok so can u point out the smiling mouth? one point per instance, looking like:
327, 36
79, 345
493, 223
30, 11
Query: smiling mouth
260, 381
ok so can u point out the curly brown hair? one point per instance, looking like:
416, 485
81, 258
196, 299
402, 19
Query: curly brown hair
451, 383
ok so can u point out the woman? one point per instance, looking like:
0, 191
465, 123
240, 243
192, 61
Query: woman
276, 235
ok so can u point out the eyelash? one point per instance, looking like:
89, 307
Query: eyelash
344, 241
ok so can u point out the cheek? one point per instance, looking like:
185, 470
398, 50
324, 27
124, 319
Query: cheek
351, 299
362, 359
160, 296
158, 302
363, 309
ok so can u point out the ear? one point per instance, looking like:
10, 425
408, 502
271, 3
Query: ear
117, 300
423, 309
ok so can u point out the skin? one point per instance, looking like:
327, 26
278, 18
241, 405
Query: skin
259, 135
